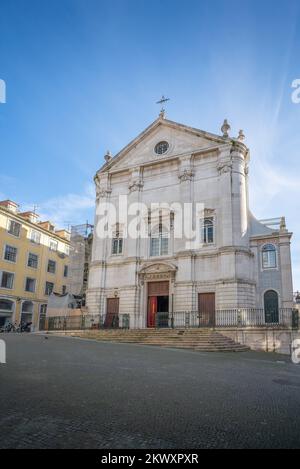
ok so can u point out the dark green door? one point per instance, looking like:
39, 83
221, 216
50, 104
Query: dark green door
271, 307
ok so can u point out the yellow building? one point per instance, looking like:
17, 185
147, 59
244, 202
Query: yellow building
34, 259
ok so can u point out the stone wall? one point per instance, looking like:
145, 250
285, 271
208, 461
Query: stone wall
277, 340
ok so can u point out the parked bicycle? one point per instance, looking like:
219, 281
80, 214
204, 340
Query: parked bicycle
22, 327
9, 327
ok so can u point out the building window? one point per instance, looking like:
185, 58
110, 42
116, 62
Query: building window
42, 321
268, 256
159, 242
161, 148
35, 237
51, 267
64, 289
14, 228
271, 307
6, 305
66, 271
7, 280
49, 288
117, 243
27, 312
32, 260
30, 285
10, 254
208, 230
53, 245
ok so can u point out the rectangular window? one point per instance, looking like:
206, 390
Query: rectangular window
10, 254
35, 237
117, 245
14, 228
49, 288
66, 271
51, 267
154, 249
64, 289
159, 242
164, 245
53, 245
7, 280
30, 285
32, 260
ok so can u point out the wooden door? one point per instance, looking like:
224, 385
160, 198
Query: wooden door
112, 313
206, 309
152, 310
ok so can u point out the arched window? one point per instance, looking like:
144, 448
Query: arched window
159, 241
208, 230
269, 256
271, 307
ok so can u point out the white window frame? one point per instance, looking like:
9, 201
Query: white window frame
9, 300
30, 266
51, 243
30, 291
119, 238
48, 294
17, 223
48, 272
274, 250
33, 241
13, 279
160, 233
204, 230
4, 252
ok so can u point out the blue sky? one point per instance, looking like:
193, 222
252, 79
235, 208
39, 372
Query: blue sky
83, 76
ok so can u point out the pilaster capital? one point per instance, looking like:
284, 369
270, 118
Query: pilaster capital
186, 175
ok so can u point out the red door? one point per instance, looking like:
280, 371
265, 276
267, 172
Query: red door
152, 310
112, 314
206, 308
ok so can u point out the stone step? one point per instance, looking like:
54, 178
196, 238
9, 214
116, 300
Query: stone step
198, 340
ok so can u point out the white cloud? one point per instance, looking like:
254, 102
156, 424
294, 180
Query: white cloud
269, 182
69, 209
275, 191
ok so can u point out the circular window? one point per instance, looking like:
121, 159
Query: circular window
161, 148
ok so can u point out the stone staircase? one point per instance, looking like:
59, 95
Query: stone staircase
206, 340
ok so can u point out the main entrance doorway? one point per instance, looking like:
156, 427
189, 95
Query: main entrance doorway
158, 304
206, 309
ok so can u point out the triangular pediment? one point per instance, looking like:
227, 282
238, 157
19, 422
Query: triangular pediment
181, 140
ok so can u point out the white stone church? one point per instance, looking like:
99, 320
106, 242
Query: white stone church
235, 262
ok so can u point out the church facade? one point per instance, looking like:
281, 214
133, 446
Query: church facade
169, 177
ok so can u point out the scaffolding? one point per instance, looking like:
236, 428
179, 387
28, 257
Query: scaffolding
80, 255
